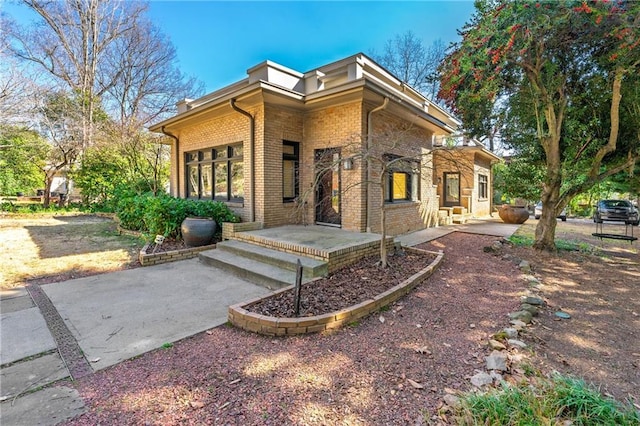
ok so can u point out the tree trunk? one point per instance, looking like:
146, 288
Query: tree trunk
48, 181
546, 229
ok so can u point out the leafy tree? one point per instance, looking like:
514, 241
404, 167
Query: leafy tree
100, 173
22, 158
556, 72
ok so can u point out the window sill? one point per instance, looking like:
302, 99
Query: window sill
401, 204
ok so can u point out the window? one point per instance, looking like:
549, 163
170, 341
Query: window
483, 187
216, 174
290, 171
402, 180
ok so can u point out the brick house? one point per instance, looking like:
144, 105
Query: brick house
285, 147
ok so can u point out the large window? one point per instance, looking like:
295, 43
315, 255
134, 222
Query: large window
216, 174
290, 171
401, 183
483, 187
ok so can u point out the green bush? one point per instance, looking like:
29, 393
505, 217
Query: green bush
163, 215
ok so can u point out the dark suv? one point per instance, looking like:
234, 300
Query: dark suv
616, 210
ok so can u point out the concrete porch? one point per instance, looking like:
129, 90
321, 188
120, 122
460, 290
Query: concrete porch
269, 256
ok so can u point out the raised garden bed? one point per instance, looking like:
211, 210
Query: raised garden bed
169, 251
264, 315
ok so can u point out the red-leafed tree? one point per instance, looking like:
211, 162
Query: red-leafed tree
553, 75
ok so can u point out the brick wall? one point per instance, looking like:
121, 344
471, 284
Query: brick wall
281, 124
227, 129
392, 135
336, 127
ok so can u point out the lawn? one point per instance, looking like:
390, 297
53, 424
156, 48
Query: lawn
46, 248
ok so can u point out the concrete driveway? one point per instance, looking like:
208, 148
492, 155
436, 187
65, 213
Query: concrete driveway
122, 314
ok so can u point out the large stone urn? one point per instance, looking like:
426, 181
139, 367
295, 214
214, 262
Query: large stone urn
513, 214
198, 231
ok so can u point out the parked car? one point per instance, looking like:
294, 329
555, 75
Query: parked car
537, 212
616, 211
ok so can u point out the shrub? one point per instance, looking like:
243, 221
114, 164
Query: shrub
163, 215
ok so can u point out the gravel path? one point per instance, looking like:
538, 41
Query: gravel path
392, 368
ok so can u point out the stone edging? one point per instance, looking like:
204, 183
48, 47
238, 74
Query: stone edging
147, 259
274, 326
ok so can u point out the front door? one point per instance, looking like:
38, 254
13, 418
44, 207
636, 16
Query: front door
327, 199
451, 189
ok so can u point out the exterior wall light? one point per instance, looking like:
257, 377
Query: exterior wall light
347, 164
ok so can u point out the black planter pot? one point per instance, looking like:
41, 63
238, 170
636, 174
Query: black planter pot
198, 231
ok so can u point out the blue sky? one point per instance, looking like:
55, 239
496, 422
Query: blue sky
218, 41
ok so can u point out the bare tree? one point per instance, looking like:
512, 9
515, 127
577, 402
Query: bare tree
70, 44
408, 58
395, 148
62, 123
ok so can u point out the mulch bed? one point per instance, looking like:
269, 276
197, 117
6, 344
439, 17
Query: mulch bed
349, 286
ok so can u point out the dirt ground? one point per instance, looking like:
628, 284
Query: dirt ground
393, 367
396, 366
43, 249
601, 292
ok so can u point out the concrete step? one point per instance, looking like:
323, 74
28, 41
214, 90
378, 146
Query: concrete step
266, 275
311, 267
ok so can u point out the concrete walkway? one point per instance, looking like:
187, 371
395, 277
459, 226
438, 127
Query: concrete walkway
488, 226
113, 317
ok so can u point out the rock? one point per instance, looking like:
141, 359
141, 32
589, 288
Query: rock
531, 280
563, 315
529, 308
451, 400
494, 344
517, 324
525, 266
510, 332
517, 343
497, 377
481, 379
497, 361
533, 300
524, 316
493, 248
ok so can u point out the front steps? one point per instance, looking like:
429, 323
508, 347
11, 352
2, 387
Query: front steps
264, 266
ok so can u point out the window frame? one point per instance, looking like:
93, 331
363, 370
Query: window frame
411, 178
211, 157
295, 157
483, 187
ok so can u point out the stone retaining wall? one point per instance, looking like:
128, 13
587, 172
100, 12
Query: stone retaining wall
147, 259
273, 326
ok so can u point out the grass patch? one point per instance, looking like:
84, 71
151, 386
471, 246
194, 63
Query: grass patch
552, 401
167, 345
521, 240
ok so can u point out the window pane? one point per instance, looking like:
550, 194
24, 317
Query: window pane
221, 185
206, 182
236, 151
221, 153
192, 156
237, 180
206, 155
192, 181
288, 149
399, 186
288, 178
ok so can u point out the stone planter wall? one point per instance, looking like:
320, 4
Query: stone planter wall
147, 259
274, 326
